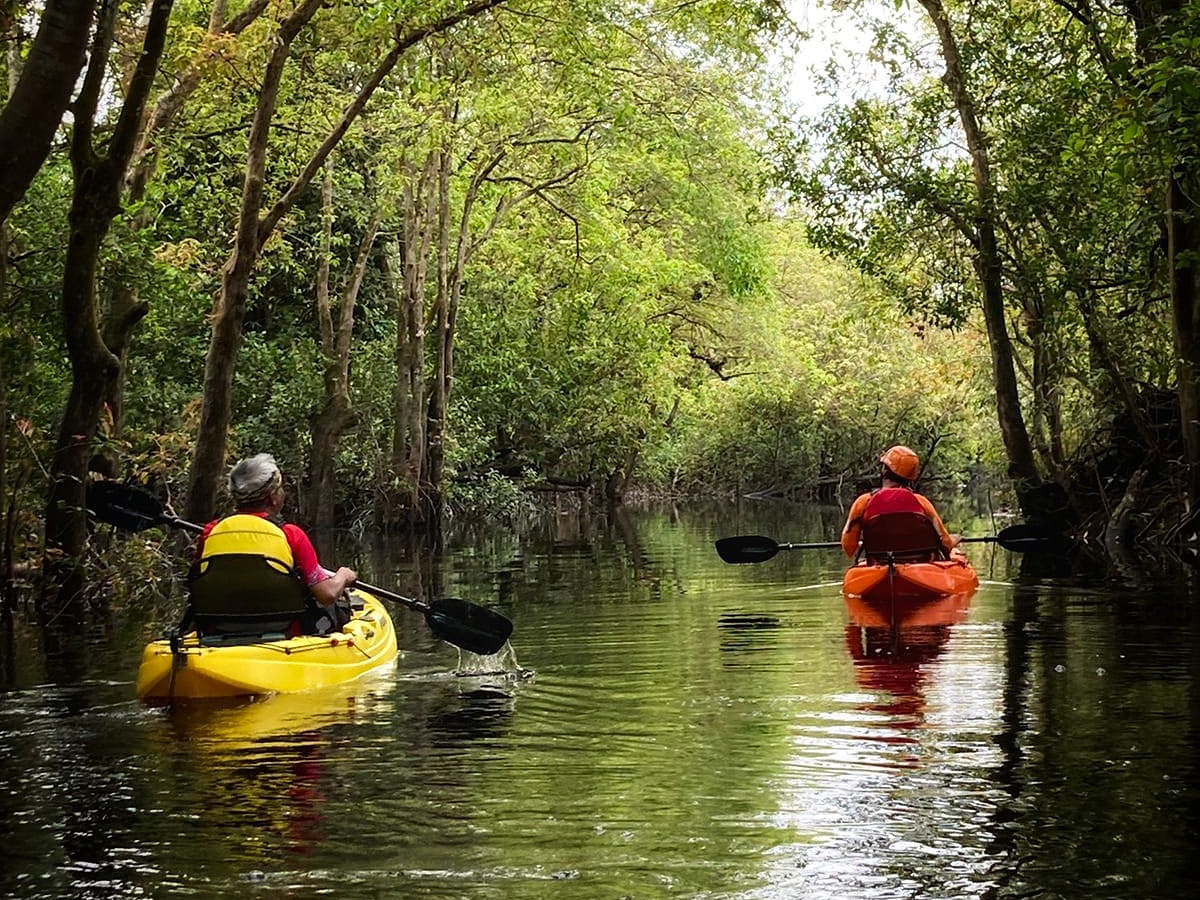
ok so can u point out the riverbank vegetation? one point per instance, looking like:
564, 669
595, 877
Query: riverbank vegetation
438, 257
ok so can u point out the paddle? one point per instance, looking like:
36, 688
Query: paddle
458, 622
753, 548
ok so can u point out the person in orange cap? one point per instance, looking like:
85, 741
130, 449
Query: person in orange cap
895, 516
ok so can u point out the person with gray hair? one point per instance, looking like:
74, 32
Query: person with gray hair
253, 480
254, 572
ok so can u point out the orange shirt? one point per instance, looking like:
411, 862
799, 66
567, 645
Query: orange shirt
852, 533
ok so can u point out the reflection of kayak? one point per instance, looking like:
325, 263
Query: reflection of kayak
938, 611
218, 667
239, 725
910, 581
892, 645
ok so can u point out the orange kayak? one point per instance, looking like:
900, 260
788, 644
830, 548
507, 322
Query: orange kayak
911, 581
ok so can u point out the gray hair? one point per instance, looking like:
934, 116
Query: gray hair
253, 480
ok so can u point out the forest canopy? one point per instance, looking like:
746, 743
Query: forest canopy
442, 256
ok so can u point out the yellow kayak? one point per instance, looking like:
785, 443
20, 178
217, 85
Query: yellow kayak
215, 667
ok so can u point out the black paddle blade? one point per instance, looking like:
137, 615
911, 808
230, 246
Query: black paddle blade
466, 625
746, 548
1029, 536
123, 505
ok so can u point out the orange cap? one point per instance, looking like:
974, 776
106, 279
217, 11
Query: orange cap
903, 461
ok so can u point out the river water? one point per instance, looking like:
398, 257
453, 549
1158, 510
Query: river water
663, 725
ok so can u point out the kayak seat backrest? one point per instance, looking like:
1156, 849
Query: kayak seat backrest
245, 593
901, 537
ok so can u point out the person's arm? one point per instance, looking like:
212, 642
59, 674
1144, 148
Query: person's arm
852, 532
329, 589
949, 541
326, 586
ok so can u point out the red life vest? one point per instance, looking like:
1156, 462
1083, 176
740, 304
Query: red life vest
892, 500
896, 525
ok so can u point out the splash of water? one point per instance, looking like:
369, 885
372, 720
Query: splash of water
504, 663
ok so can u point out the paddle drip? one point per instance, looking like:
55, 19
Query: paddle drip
503, 662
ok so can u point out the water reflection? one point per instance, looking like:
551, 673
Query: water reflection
746, 632
475, 715
692, 730
891, 658
264, 768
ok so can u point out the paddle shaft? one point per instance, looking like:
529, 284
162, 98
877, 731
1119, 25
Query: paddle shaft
834, 545
757, 548
418, 605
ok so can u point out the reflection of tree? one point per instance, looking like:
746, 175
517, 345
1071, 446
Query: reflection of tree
479, 714
746, 632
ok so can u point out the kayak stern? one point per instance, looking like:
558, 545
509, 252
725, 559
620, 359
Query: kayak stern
192, 668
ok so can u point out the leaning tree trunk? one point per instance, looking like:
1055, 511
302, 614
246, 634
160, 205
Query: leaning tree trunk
39, 98
208, 456
1017, 445
125, 308
95, 203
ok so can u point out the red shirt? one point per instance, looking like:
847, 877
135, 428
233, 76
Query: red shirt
304, 556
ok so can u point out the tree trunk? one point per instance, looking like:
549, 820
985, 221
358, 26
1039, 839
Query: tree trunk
124, 308
337, 415
208, 456
95, 203
1183, 252
35, 109
1102, 351
1044, 380
1018, 448
449, 279
6, 550
408, 439
1155, 22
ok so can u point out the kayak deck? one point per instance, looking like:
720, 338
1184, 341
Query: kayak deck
910, 581
212, 669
